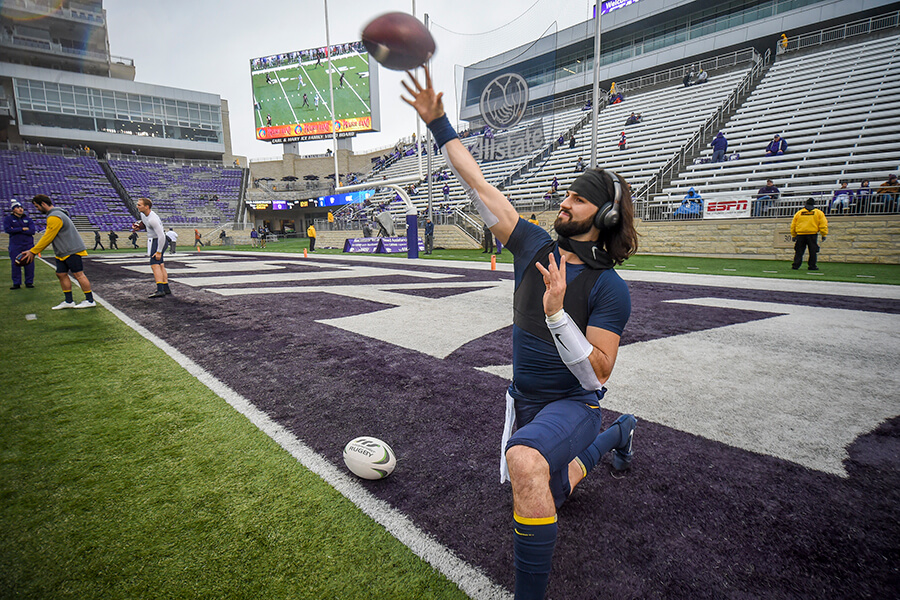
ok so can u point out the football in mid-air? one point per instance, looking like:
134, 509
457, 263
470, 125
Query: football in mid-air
399, 41
20, 258
369, 458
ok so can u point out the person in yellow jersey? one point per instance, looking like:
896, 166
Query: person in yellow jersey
806, 226
311, 233
68, 248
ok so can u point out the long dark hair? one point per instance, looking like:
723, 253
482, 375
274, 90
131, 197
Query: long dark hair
621, 241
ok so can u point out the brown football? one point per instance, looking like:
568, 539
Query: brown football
399, 41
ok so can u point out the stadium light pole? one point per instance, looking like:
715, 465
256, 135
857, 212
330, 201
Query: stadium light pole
331, 92
595, 111
429, 169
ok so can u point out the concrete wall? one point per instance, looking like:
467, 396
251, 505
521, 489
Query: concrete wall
291, 164
871, 239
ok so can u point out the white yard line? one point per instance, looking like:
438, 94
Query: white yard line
469, 579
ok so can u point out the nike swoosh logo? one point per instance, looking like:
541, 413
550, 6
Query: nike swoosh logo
559, 339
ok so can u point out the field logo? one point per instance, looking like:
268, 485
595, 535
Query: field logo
503, 101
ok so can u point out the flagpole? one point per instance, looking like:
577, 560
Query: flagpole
595, 108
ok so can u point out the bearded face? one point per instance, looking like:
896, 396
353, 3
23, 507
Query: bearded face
566, 226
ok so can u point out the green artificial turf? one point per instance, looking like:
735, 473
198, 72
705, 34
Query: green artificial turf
122, 476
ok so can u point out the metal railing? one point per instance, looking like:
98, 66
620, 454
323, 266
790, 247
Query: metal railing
162, 160
841, 32
41, 149
663, 208
704, 132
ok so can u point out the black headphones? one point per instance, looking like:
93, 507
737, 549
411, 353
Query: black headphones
608, 216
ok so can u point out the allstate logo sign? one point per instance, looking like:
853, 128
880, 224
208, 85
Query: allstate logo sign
503, 101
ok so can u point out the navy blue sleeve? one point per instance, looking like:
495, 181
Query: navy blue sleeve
610, 303
524, 242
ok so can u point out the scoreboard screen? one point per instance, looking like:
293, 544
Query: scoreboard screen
291, 95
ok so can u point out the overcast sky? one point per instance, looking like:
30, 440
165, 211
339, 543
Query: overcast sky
206, 45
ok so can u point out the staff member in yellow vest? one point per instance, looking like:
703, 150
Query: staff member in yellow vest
311, 233
806, 226
68, 248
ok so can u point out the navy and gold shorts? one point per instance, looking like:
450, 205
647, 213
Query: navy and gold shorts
559, 431
71, 263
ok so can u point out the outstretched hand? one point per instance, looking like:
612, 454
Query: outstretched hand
424, 99
555, 280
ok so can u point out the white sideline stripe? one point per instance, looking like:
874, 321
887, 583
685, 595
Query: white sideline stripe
469, 579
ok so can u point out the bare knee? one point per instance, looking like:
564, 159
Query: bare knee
526, 463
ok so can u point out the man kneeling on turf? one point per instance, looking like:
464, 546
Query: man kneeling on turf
569, 310
68, 247
157, 242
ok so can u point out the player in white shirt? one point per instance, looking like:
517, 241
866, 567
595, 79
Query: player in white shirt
157, 242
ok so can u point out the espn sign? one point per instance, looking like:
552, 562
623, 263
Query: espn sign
726, 208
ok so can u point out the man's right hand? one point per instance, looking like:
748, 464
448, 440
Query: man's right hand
426, 102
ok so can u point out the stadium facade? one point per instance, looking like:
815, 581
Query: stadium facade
59, 85
650, 36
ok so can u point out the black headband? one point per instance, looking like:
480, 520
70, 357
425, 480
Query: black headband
592, 186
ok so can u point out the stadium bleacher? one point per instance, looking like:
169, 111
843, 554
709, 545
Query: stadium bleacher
76, 183
183, 194
670, 116
838, 110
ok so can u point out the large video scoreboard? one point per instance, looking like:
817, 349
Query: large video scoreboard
291, 95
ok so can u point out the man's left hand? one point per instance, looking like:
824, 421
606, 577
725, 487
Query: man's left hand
555, 280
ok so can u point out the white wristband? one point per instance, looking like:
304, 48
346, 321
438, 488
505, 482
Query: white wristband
574, 349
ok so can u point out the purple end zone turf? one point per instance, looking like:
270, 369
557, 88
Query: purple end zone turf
694, 519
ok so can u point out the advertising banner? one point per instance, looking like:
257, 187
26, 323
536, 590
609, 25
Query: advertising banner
392, 245
727, 208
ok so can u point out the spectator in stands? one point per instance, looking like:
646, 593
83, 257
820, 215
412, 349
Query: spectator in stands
429, 236
719, 146
807, 224
172, 236
113, 236
366, 230
330, 217
488, 237
862, 198
579, 165
765, 198
97, 240
560, 141
311, 233
588, 105
20, 229
631, 120
446, 192
702, 76
555, 185
133, 238
623, 143
691, 206
572, 141
784, 42
617, 98
777, 146
68, 248
842, 198
688, 78
222, 237
889, 193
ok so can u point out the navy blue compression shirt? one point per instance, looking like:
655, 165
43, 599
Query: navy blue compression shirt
539, 374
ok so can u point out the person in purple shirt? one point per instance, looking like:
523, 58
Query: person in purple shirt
777, 146
719, 146
765, 198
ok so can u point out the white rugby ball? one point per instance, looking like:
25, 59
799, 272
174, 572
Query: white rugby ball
369, 458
